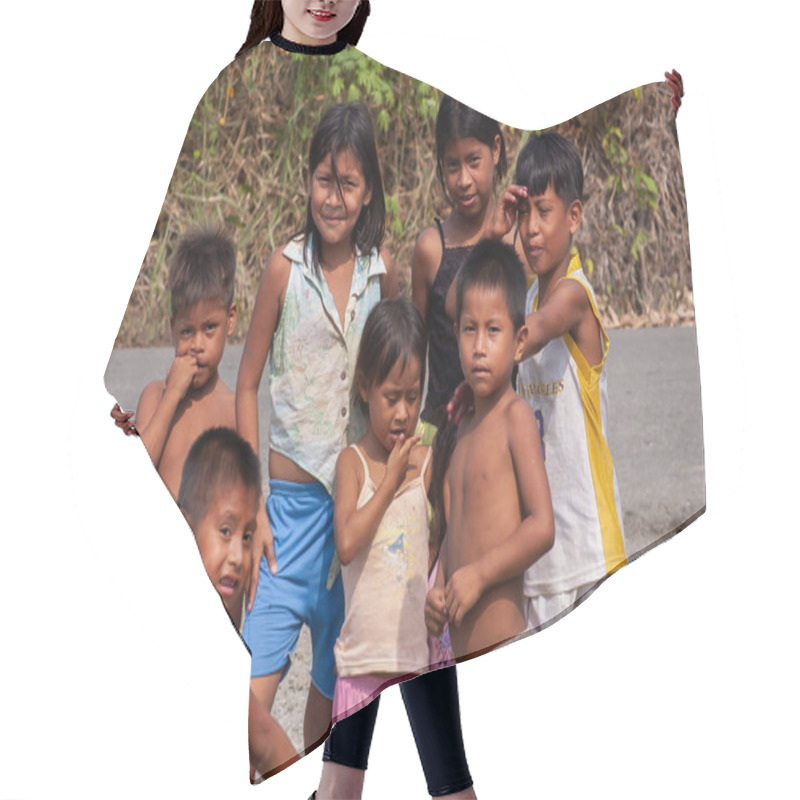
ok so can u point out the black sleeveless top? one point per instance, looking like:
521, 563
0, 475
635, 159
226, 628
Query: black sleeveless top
443, 361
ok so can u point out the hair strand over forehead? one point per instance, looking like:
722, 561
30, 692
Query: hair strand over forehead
394, 331
455, 120
348, 127
494, 265
550, 159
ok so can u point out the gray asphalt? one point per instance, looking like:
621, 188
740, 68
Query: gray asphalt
655, 434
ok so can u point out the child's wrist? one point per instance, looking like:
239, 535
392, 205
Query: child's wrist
172, 394
483, 578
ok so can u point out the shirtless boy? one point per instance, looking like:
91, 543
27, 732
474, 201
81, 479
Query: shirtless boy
500, 518
172, 413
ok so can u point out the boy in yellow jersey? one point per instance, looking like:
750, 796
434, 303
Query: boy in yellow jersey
562, 376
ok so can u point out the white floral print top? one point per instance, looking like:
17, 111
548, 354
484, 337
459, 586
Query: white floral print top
312, 363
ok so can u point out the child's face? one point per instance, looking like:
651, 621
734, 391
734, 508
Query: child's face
487, 343
546, 228
468, 167
201, 330
394, 404
316, 21
336, 207
225, 539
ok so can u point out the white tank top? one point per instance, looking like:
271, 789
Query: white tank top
569, 399
385, 587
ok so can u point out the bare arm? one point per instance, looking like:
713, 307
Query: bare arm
268, 743
266, 314
355, 527
427, 257
390, 286
563, 312
160, 401
435, 607
533, 536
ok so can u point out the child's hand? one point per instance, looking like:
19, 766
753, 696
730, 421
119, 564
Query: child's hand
463, 590
397, 465
181, 374
262, 546
124, 420
462, 402
435, 614
505, 212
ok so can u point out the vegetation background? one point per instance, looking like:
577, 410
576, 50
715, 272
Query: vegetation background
243, 164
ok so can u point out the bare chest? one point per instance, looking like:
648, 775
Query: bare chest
190, 423
481, 472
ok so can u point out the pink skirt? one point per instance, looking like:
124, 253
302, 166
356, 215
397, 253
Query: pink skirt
354, 692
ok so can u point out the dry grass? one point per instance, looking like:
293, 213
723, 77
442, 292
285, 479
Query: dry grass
243, 164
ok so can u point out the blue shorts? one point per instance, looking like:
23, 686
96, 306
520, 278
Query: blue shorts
301, 516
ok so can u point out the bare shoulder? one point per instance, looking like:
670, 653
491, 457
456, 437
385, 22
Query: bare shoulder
278, 267
418, 455
519, 415
428, 251
571, 292
148, 400
227, 404
349, 467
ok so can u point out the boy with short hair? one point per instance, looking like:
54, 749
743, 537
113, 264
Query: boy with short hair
500, 518
562, 376
220, 495
172, 413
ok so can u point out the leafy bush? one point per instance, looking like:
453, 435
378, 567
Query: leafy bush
243, 163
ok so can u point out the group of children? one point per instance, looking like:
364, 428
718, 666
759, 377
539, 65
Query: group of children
526, 515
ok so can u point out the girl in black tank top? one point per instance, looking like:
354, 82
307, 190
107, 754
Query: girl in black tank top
470, 161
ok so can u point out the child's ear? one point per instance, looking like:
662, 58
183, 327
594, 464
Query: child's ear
496, 150
521, 338
231, 318
363, 389
575, 214
367, 197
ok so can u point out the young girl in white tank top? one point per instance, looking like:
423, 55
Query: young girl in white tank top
381, 514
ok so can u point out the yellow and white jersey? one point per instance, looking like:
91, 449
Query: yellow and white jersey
569, 399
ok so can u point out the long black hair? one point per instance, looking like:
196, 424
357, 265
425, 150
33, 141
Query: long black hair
458, 121
266, 19
348, 126
443, 445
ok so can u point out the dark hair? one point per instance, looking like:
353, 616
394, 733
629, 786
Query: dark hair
494, 265
266, 19
442, 451
394, 331
457, 121
219, 458
348, 126
550, 158
202, 268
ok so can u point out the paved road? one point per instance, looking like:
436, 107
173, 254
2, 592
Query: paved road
655, 434
655, 422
